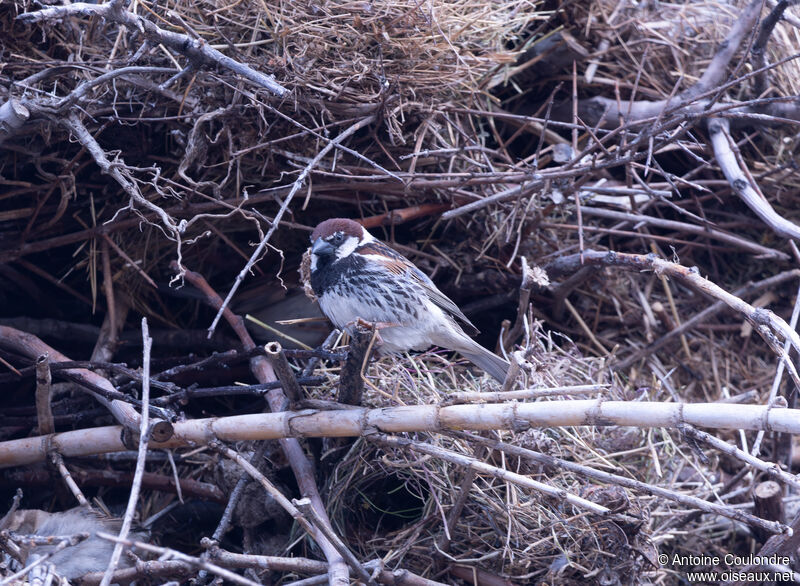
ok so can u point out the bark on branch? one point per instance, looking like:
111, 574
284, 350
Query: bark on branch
33, 347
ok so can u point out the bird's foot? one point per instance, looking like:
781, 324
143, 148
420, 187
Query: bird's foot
362, 326
377, 326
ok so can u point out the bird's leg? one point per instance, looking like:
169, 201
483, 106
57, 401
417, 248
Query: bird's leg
372, 325
362, 325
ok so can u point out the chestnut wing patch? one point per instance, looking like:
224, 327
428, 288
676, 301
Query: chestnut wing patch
397, 264
389, 259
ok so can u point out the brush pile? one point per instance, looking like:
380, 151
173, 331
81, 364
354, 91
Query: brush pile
151, 149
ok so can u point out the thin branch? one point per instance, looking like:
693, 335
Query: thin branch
115, 170
771, 469
705, 315
144, 438
521, 395
484, 468
177, 555
708, 231
196, 50
298, 183
605, 477
772, 328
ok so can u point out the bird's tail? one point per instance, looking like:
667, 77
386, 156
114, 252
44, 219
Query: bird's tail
483, 358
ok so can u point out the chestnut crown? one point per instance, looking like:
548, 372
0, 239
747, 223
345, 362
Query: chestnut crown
330, 227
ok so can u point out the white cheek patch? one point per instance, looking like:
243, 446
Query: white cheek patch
313, 262
347, 247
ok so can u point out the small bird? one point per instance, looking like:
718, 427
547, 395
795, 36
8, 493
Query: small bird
354, 275
90, 555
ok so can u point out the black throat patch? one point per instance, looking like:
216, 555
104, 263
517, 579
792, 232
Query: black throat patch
330, 272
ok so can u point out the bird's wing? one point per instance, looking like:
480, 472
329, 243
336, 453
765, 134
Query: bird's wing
397, 264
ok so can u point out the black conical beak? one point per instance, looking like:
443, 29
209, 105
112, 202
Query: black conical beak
322, 248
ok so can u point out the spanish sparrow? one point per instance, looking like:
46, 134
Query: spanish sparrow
355, 275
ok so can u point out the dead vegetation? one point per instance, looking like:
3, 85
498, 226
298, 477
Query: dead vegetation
160, 157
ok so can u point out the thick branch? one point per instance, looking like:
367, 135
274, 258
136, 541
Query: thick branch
13, 116
759, 49
304, 473
33, 347
420, 418
742, 185
715, 73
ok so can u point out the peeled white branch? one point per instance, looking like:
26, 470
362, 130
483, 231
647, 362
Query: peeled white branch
721, 141
421, 418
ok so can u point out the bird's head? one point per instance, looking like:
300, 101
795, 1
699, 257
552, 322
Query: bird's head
335, 239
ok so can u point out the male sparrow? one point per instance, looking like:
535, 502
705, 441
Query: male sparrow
355, 275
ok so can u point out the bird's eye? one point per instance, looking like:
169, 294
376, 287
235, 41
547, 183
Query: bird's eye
337, 238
